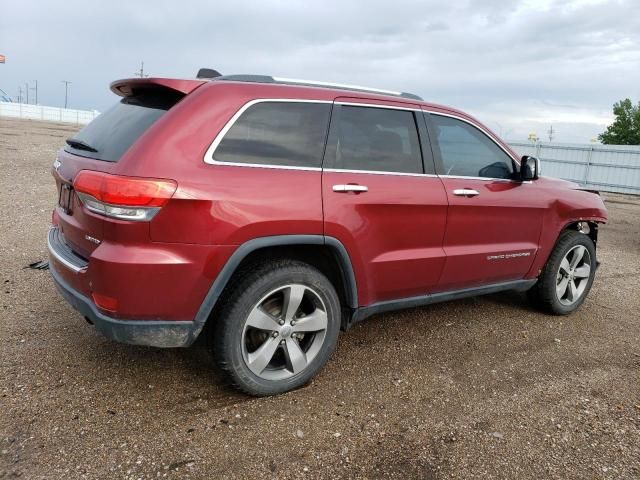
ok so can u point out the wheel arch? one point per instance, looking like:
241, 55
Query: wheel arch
550, 239
587, 226
325, 253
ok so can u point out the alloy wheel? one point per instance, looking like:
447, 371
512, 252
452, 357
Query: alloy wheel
284, 332
573, 275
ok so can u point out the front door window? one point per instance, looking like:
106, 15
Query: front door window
465, 151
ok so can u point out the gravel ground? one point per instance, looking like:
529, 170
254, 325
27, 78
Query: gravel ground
483, 387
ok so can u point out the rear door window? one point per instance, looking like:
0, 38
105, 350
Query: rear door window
290, 134
114, 131
374, 139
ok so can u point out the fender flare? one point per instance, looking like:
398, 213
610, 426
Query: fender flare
221, 281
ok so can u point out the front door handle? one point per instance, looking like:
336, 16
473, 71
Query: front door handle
350, 188
465, 192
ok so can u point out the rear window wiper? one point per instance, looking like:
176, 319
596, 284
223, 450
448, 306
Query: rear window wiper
80, 145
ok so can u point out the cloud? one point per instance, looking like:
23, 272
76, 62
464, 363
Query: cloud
519, 64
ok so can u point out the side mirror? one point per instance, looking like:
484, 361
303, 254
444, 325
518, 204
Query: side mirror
529, 168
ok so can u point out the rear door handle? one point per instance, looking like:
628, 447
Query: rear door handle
350, 188
465, 192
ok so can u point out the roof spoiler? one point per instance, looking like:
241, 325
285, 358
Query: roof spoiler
128, 87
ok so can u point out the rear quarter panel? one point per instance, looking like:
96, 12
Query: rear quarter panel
229, 205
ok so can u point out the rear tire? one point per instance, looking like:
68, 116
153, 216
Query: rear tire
277, 328
567, 277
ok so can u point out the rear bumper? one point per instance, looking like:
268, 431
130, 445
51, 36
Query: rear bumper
153, 333
147, 280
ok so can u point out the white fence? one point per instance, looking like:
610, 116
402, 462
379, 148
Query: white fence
51, 114
610, 168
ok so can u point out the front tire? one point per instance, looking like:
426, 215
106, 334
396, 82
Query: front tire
277, 329
567, 276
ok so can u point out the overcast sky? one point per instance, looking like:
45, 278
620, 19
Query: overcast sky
519, 68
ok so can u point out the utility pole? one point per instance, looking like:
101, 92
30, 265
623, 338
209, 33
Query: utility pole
550, 132
66, 91
26, 85
20, 95
141, 72
36, 91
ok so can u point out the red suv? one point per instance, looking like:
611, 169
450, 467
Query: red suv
275, 212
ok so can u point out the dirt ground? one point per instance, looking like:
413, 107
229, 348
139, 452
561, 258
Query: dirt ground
484, 387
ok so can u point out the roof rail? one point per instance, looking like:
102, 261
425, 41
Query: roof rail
311, 83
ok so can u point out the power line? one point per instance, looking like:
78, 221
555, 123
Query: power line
66, 91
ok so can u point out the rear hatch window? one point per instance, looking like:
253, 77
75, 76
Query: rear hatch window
111, 134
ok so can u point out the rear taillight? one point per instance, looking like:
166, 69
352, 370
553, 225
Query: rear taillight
125, 198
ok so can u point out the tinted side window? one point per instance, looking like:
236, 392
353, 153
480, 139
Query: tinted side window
466, 151
277, 133
376, 139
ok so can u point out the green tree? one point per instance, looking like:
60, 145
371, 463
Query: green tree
625, 129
